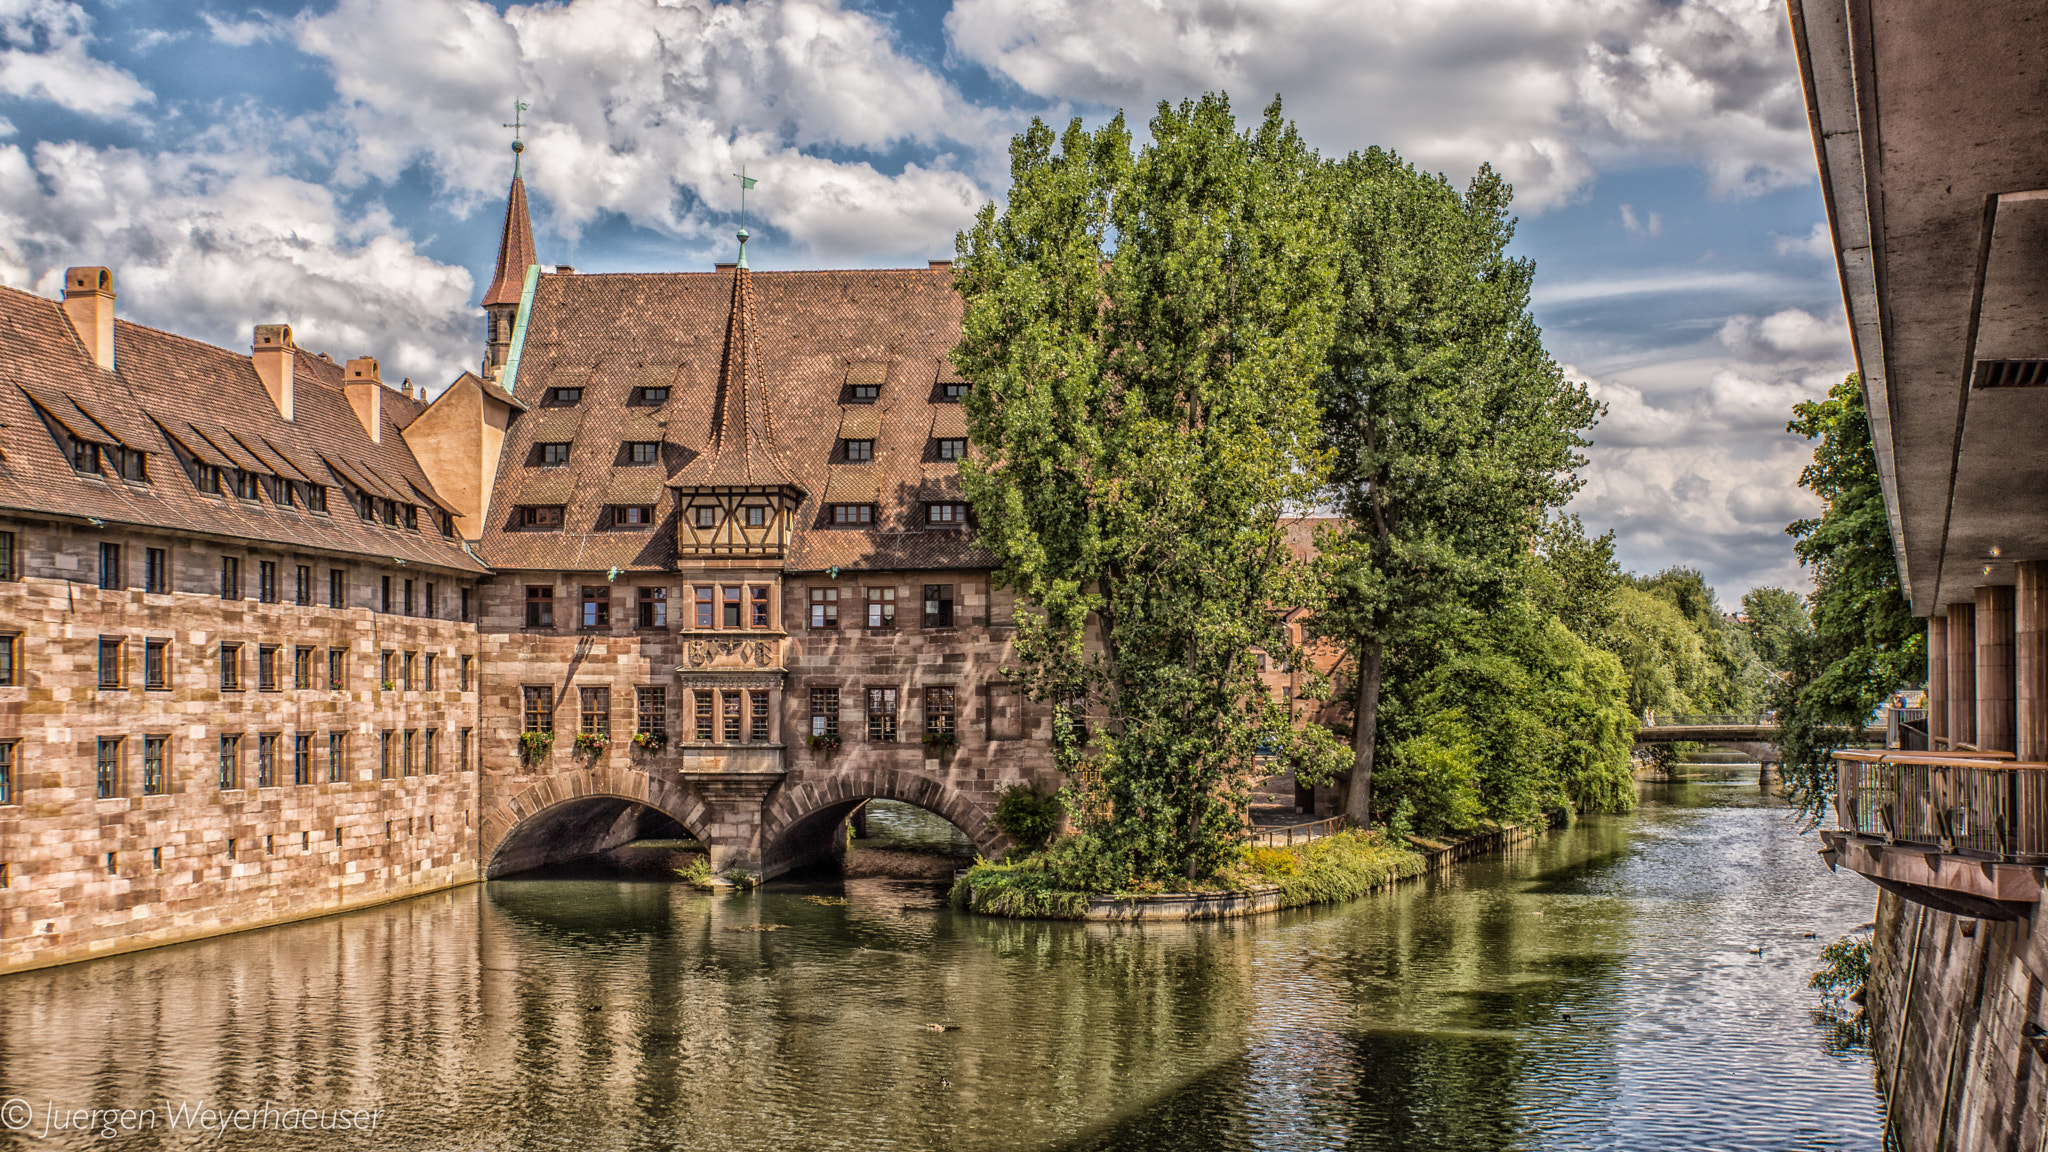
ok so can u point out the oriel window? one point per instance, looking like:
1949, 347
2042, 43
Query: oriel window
757, 712
730, 595
705, 608
731, 705
757, 606
703, 711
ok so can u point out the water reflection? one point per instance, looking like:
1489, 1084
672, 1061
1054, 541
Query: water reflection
1595, 990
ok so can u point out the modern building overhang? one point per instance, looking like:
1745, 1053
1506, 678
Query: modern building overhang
1931, 128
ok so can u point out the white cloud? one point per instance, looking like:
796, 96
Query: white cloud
645, 109
210, 246
1652, 282
1542, 89
1789, 335
242, 33
1650, 225
1819, 243
44, 56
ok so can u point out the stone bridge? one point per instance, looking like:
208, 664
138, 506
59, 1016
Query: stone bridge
1754, 734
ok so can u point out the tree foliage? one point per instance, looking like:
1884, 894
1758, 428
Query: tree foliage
1453, 430
1145, 332
1864, 640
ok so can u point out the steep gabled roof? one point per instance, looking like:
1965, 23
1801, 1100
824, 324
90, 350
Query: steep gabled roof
515, 249
743, 451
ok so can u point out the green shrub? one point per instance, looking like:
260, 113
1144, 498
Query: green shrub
1272, 861
1846, 965
698, 873
1029, 815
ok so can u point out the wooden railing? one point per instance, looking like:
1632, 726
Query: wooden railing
1295, 833
1981, 804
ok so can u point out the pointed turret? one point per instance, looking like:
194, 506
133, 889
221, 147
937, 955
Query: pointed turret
743, 450
515, 256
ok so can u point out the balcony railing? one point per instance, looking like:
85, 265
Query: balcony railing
1982, 805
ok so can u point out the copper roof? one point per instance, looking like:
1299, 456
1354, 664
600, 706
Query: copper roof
756, 364
515, 250
170, 396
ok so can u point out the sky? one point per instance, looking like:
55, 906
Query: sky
342, 165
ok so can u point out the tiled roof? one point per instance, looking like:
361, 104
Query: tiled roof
743, 452
814, 334
209, 401
515, 250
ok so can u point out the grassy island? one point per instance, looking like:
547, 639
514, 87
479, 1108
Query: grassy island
1058, 883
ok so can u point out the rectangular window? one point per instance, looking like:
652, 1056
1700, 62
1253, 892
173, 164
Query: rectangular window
757, 716
553, 454
540, 606
703, 703
540, 516
231, 667
953, 392
156, 672
462, 674
824, 711
230, 763
407, 664
705, 610
156, 570
650, 713
945, 515
112, 659
704, 516
412, 517
153, 765
337, 669
266, 581
406, 600
643, 452
337, 590
650, 395
266, 668
730, 708
10, 659
302, 669
107, 767
882, 715
110, 566
865, 393
427, 679
410, 745
757, 607
427, 601
852, 515
385, 679
462, 750
730, 595
427, 743
465, 606
858, 451
596, 711
757, 515
337, 757
564, 395
384, 596
7, 757
824, 607
316, 497
597, 606
302, 586
539, 708
266, 760
230, 578
938, 710
881, 607
953, 448
8, 569
302, 758
653, 608
632, 515
938, 605
387, 751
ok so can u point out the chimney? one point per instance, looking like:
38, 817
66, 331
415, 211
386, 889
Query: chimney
365, 391
272, 354
89, 302
939, 265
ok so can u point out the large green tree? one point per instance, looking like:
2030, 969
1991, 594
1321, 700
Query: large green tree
1145, 333
1864, 640
1453, 430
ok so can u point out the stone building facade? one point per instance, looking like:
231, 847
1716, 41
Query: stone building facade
279, 639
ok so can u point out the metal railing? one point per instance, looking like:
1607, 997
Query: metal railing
1294, 834
1978, 805
1712, 720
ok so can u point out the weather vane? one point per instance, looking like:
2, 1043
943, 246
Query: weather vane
517, 125
746, 182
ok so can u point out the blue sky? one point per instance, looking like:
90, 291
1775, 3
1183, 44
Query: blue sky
340, 166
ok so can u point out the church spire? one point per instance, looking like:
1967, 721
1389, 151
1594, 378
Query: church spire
515, 255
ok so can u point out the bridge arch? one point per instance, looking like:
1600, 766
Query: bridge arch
570, 815
798, 826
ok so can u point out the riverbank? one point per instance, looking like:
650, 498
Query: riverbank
1327, 870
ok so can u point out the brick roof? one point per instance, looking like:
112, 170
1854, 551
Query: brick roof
515, 249
210, 401
814, 335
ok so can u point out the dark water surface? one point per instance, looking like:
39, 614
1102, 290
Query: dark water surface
1595, 990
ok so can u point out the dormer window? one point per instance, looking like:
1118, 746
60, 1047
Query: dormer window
248, 485
564, 396
206, 478
633, 515
412, 517
391, 513
954, 393
316, 498
953, 448
654, 395
704, 516
85, 456
858, 451
866, 393
552, 454
945, 515
852, 515
643, 452
540, 516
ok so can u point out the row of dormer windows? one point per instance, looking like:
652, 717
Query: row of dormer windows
706, 517
555, 453
571, 394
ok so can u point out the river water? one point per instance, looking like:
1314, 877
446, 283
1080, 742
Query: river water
1598, 989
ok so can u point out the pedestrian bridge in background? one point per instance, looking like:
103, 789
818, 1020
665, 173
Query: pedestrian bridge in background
1754, 733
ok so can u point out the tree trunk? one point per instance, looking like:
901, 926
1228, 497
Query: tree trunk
1358, 802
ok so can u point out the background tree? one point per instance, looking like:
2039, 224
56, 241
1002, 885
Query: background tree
1777, 624
1145, 335
1864, 641
1453, 430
